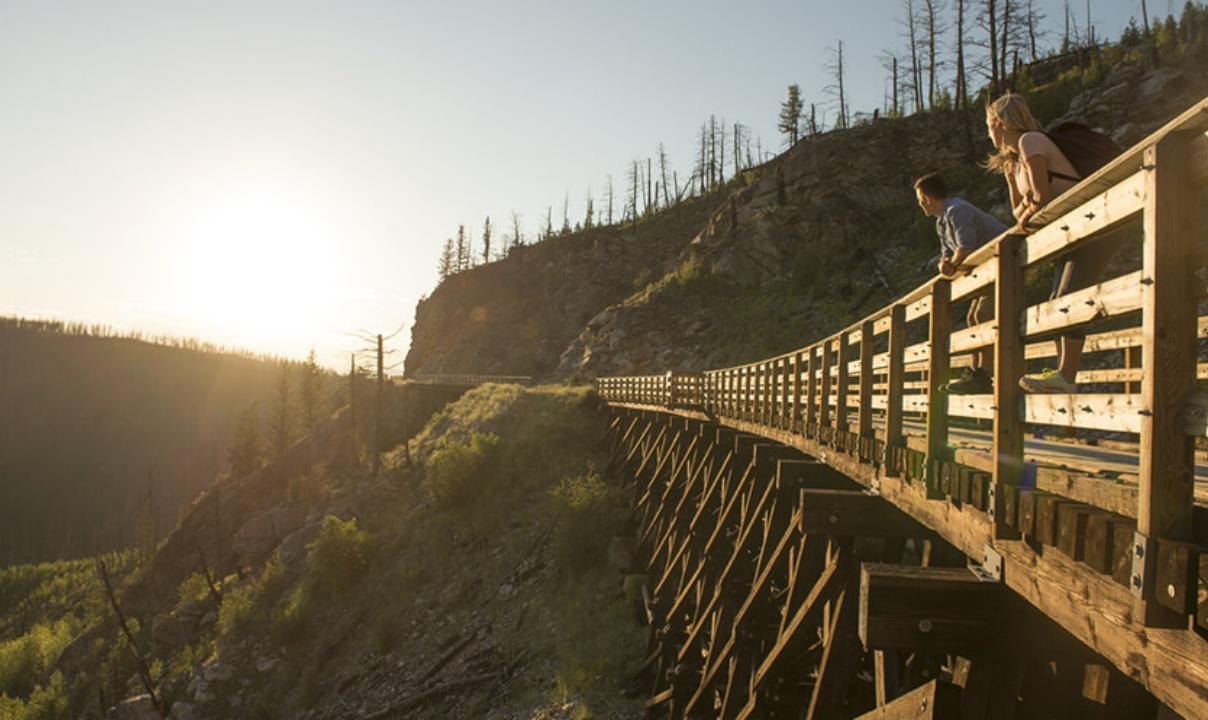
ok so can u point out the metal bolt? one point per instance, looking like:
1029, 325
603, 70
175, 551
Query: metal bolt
924, 626
833, 519
1170, 590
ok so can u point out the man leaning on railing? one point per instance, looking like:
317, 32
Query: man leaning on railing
962, 228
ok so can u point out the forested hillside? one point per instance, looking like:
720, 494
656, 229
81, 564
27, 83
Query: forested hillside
104, 439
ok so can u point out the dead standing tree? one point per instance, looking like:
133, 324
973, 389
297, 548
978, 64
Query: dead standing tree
377, 346
144, 672
836, 90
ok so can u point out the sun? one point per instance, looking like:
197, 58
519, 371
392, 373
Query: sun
259, 265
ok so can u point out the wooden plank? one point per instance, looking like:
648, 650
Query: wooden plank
1097, 213
1107, 299
933, 700
1176, 576
925, 609
1099, 548
1168, 354
937, 372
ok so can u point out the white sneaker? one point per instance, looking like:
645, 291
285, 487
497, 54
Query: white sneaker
1049, 382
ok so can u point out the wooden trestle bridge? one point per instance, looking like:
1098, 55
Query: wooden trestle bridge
826, 533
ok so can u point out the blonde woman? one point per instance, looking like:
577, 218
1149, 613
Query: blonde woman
1037, 171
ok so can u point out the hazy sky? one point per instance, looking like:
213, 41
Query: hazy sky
271, 175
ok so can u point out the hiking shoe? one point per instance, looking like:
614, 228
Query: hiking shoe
1049, 382
971, 382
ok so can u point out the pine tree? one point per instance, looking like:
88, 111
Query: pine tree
517, 233
246, 453
486, 240
311, 392
589, 218
790, 114
446, 266
608, 193
463, 251
566, 213
282, 421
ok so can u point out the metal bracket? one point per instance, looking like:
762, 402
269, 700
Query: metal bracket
992, 502
991, 568
1143, 550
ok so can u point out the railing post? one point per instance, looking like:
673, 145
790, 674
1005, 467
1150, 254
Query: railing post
895, 381
811, 383
867, 346
937, 376
841, 381
756, 392
1009, 365
824, 383
795, 389
785, 402
1165, 492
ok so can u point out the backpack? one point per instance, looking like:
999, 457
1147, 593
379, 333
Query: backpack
1086, 149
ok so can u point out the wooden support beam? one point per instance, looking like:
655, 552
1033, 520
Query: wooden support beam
937, 374
1168, 355
793, 475
933, 700
925, 609
1009, 365
854, 513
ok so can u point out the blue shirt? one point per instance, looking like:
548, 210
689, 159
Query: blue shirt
960, 225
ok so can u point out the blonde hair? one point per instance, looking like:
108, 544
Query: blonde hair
1013, 112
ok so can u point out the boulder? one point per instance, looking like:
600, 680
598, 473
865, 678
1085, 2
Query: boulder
259, 535
292, 551
182, 711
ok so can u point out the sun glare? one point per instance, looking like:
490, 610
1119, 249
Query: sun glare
259, 266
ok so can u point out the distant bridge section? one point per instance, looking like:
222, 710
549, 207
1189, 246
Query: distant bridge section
470, 380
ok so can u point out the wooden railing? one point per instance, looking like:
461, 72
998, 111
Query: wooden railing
859, 389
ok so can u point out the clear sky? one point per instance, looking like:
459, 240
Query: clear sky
271, 175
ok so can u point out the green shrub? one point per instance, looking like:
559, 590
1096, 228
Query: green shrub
193, 589
27, 658
292, 617
339, 554
589, 512
247, 606
455, 470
